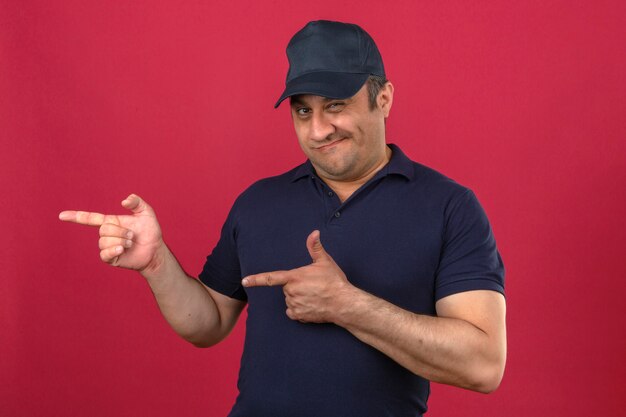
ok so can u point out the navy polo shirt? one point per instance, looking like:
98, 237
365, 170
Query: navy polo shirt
410, 236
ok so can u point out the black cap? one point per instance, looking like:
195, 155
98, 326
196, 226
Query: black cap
330, 59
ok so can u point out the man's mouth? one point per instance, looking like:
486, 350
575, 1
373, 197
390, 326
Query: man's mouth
329, 145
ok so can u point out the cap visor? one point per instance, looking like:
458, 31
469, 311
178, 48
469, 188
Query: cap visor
325, 84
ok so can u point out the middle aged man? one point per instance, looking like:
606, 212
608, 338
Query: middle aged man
406, 288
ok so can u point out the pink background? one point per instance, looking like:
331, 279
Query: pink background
524, 102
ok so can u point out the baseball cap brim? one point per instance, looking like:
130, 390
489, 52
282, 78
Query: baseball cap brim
326, 84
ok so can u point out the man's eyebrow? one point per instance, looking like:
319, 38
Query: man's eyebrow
345, 100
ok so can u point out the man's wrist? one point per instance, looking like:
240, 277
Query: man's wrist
349, 305
158, 263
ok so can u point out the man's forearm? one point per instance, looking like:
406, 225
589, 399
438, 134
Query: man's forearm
441, 349
186, 305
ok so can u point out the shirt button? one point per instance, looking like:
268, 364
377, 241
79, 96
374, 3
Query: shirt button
330, 193
337, 214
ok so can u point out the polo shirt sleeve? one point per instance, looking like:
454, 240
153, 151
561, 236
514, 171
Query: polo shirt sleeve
470, 258
222, 271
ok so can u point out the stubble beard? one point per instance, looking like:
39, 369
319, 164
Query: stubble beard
336, 167
338, 170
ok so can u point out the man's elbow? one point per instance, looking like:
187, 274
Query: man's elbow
491, 368
203, 344
489, 385
206, 341
489, 378
203, 340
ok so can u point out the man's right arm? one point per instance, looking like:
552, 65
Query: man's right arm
198, 314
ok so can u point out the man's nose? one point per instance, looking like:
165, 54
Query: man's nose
321, 127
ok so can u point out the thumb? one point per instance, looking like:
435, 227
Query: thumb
138, 206
315, 248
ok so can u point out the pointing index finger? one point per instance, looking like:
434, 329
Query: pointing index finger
82, 217
266, 279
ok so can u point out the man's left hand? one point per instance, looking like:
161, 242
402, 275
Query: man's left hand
313, 293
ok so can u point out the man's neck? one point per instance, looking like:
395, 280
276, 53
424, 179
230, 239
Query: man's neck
344, 189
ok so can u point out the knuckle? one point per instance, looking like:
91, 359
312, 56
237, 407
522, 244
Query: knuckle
111, 254
106, 229
80, 217
107, 243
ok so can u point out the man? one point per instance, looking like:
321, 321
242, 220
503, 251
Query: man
406, 288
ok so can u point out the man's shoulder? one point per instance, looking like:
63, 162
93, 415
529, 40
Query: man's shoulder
273, 187
279, 181
425, 178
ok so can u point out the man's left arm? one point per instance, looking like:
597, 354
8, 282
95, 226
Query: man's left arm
465, 345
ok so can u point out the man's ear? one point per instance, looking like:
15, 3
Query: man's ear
385, 98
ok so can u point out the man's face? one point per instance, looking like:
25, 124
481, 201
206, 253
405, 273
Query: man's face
344, 139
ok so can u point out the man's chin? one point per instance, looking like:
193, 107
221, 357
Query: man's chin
339, 171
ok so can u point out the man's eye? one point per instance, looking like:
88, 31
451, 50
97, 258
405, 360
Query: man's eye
302, 111
335, 106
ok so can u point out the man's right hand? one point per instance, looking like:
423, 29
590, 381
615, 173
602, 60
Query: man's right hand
128, 241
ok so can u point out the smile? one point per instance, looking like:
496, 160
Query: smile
329, 145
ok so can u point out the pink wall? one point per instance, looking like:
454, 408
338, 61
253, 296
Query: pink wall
525, 102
